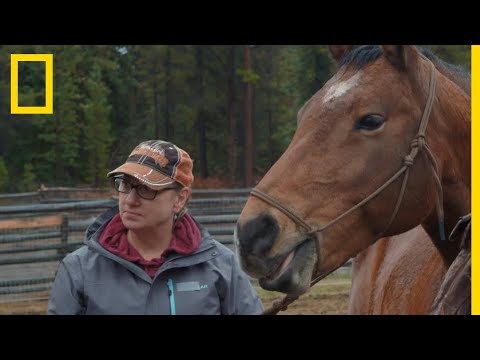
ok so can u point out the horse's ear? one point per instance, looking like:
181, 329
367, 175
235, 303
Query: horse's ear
397, 55
339, 51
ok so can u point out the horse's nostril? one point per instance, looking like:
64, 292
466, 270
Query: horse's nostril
257, 236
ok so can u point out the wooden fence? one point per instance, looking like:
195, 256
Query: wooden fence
34, 237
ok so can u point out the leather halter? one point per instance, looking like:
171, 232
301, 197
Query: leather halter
418, 143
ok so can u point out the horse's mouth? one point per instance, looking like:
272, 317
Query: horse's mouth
294, 273
281, 269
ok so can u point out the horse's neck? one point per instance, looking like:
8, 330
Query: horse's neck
462, 79
451, 146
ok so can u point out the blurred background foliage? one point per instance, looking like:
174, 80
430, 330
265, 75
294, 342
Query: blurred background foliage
109, 98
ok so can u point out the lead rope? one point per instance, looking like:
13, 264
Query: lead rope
416, 145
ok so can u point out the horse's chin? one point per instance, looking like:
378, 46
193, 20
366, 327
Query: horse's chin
294, 275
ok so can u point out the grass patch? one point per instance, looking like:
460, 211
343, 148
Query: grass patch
24, 308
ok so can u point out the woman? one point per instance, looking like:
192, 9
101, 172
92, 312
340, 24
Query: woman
148, 256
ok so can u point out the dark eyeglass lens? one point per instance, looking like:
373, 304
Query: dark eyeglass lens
122, 186
145, 192
142, 190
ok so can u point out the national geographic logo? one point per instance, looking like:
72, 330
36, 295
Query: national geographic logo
14, 107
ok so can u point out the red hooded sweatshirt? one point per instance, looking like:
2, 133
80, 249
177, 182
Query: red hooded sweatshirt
185, 240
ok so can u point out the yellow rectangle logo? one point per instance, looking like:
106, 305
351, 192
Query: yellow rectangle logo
48, 108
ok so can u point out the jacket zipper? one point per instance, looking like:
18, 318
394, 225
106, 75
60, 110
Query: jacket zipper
171, 297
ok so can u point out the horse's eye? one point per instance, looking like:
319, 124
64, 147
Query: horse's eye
369, 122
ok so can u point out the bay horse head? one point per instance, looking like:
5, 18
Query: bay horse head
383, 146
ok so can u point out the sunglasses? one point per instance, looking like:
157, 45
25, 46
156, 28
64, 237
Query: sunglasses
124, 187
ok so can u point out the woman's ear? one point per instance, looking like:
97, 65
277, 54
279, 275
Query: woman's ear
182, 197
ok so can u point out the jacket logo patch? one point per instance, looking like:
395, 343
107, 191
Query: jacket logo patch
190, 286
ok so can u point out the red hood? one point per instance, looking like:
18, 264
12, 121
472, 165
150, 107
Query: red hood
185, 240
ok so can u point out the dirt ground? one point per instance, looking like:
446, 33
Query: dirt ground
329, 297
328, 304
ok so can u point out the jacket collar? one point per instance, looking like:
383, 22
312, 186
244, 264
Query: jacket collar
205, 252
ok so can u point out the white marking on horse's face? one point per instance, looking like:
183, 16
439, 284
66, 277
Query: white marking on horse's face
341, 88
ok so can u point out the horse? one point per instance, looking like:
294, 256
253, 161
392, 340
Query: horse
381, 148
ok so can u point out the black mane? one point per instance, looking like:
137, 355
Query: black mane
362, 55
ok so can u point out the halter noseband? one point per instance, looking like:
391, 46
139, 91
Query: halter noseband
418, 143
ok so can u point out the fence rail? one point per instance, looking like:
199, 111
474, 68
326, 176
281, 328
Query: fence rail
53, 208
57, 193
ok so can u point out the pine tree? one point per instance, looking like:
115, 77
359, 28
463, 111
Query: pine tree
3, 174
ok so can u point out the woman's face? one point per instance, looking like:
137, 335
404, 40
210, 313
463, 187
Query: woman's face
138, 213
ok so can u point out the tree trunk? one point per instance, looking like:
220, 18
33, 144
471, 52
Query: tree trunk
269, 73
248, 120
231, 97
58, 153
156, 111
168, 91
201, 126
